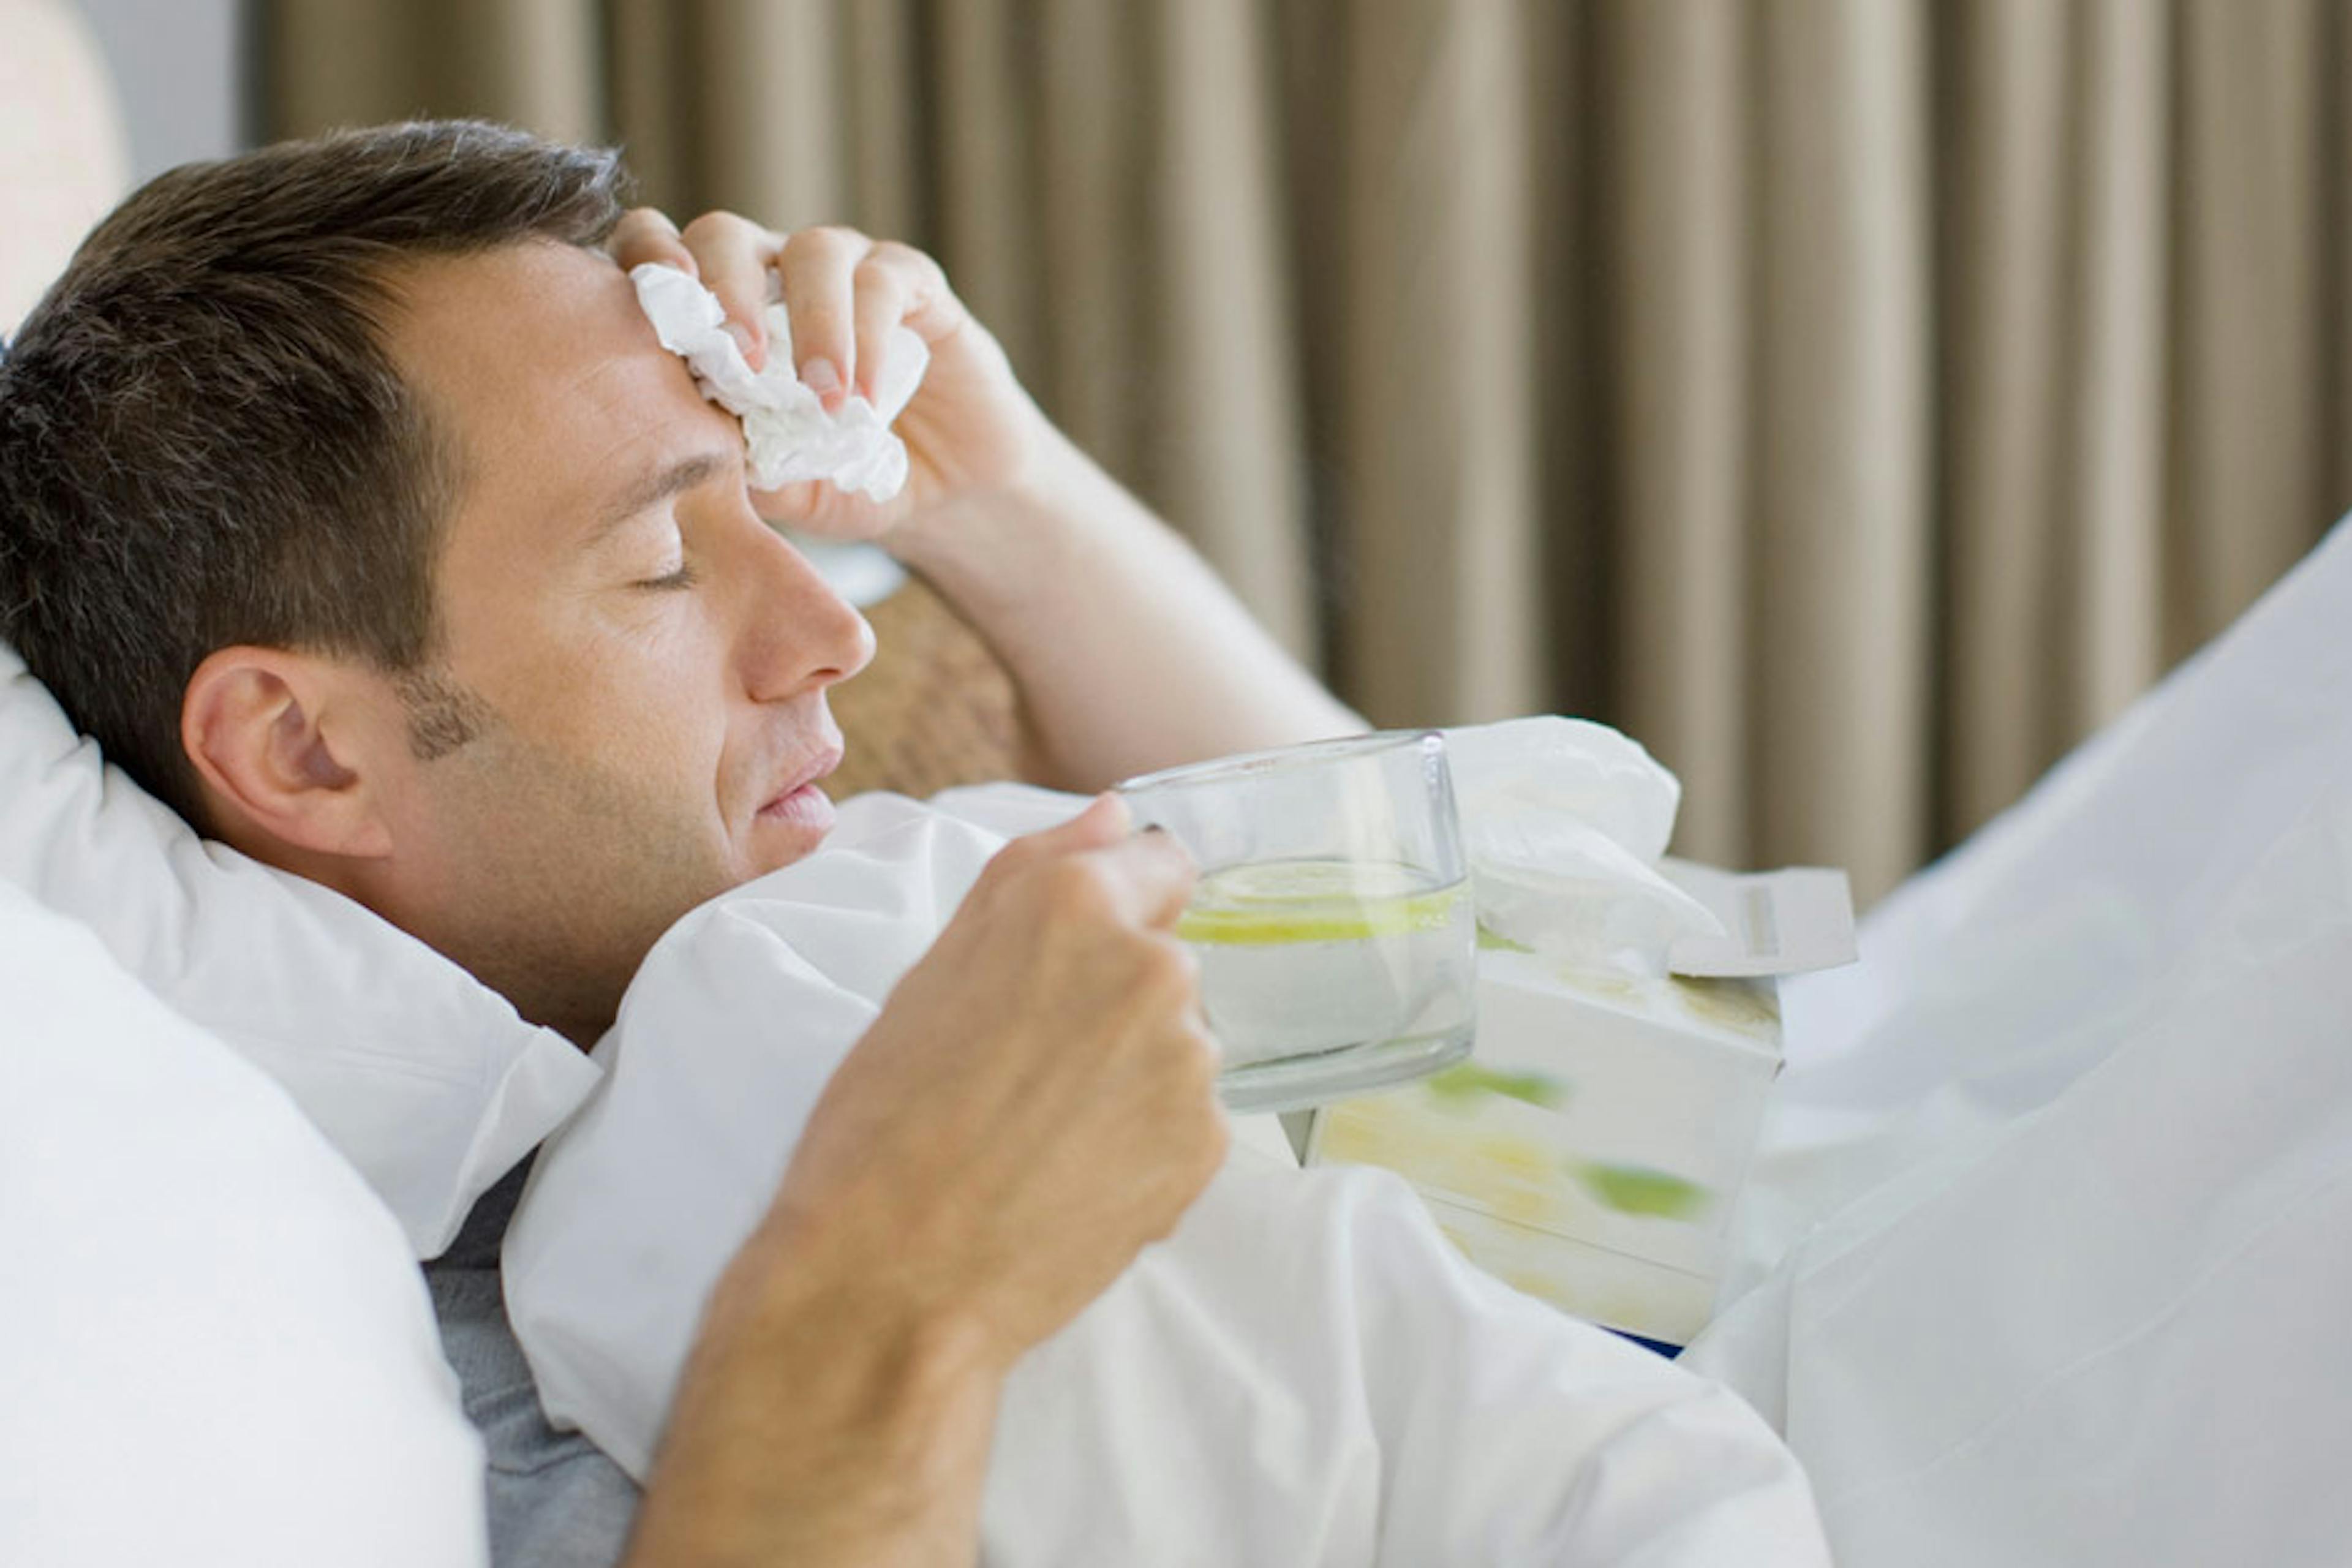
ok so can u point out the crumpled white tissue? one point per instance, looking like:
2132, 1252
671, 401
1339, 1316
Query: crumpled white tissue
787, 434
1563, 821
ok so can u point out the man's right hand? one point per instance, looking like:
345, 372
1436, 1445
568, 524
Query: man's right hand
1035, 1104
1037, 1101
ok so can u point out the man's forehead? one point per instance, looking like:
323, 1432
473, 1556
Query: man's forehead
537, 359
529, 329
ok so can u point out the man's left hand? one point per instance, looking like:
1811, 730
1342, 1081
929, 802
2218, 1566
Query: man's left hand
972, 429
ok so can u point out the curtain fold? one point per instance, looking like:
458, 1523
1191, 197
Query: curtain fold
1841, 581
2010, 301
1230, 459
1857, 400
2113, 487
1681, 240
2335, 272
355, 62
1436, 377
2246, 420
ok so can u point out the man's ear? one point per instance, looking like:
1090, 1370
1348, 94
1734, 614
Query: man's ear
287, 746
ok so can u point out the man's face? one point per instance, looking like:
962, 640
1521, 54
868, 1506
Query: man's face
643, 661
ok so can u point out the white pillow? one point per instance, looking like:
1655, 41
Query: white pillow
422, 1077
218, 1350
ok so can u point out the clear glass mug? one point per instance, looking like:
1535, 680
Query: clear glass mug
1333, 918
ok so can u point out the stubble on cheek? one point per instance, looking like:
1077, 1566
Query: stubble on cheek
443, 715
571, 871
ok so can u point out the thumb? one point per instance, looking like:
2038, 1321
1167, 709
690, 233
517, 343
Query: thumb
1155, 877
1104, 822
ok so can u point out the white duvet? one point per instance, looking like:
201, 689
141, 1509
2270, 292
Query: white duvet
2087, 1106
1304, 1373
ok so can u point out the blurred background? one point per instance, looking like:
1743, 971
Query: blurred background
1857, 401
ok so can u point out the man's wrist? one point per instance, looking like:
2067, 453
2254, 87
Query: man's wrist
826, 1273
969, 542
826, 1410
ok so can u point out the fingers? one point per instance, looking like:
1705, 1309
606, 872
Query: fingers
734, 256
845, 294
1104, 823
897, 286
819, 267
1137, 879
1151, 878
878, 303
646, 234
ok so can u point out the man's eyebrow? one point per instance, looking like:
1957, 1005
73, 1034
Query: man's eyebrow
663, 483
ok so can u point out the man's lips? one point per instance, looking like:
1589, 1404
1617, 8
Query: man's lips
800, 798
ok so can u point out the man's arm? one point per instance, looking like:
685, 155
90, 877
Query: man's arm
1128, 652
818, 1426
1034, 1104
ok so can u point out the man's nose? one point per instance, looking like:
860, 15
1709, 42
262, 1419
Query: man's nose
798, 634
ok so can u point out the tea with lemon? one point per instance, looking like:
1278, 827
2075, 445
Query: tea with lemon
1301, 957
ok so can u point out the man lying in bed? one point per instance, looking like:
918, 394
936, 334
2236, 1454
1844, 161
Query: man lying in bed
348, 499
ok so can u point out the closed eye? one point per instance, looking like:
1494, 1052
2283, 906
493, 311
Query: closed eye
684, 577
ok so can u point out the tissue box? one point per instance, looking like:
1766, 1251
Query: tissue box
1593, 1149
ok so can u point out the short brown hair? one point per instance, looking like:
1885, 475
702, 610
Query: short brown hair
204, 440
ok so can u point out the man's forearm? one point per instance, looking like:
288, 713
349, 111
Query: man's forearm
1129, 653
820, 1429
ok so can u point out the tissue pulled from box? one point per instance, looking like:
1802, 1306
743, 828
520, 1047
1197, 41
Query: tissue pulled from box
788, 437
1563, 822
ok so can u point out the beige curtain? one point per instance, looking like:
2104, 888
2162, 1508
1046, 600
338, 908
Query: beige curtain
1857, 400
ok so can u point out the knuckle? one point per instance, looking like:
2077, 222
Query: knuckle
822, 242
1181, 870
1215, 1145
1006, 862
1169, 972
1169, 1216
713, 226
1198, 1147
1167, 855
1016, 882
1202, 1065
1074, 884
647, 235
874, 278
638, 225
898, 253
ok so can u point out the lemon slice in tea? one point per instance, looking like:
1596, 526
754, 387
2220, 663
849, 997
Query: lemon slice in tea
1279, 902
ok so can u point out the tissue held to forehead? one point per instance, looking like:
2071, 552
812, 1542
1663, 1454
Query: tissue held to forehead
787, 434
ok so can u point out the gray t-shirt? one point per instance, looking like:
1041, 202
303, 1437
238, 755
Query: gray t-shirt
555, 1500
